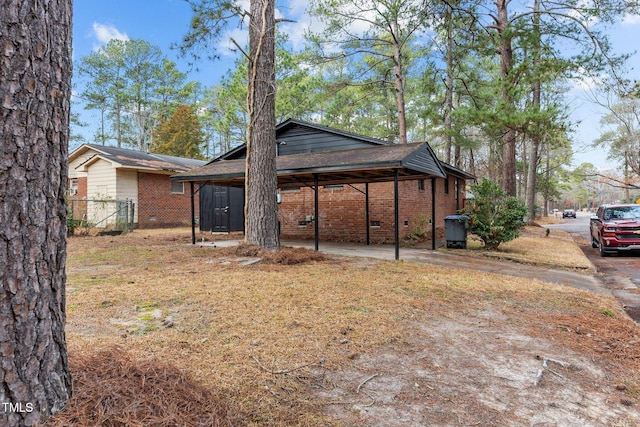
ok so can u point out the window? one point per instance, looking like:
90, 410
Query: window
446, 185
73, 187
421, 184
283, 189
177, 187
375, 223
334, 186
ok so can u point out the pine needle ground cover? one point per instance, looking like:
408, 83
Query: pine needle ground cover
163, 333
556, 249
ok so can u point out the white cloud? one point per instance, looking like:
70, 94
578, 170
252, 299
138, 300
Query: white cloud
293, 10
577, 15
296, 31
240, 36
631, 19
586, 82
243, 4
104, 33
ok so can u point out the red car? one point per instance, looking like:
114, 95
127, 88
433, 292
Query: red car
616, 228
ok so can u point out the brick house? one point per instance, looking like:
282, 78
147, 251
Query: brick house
101, 176
342, 215
352, 177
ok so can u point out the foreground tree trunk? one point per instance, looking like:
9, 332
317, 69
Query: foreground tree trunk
35, 82
261, 182
532, 172
448, 94
505, 52
399, 84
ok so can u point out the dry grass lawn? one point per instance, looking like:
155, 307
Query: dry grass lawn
164, 333
534, 246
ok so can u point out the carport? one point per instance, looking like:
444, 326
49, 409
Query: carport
356, 166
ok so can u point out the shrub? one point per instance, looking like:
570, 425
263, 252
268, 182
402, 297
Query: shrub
419, 231
494, 217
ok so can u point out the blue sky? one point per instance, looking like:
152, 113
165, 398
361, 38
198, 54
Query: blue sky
164, 22
160, 22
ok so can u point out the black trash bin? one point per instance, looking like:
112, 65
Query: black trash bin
455, 231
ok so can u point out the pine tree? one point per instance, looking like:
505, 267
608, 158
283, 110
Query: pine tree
181, 135
35, 82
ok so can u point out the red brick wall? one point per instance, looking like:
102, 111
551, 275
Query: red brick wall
158, 207
342, 210
77, 202
82, 187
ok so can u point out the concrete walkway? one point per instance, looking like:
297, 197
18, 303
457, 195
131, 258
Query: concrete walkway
579, 280
584, 281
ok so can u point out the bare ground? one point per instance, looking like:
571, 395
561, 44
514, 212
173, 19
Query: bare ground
477, 371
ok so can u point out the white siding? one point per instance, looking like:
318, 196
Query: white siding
101, 181
127, 187
101, 185
75, 173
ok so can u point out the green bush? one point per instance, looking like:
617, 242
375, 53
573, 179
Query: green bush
419, 231
494, 217
73, 224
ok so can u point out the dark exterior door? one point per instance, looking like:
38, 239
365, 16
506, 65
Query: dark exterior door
236, 209
221, 209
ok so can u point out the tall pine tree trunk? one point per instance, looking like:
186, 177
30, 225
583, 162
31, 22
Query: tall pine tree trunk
535, 140
399, 82
505, 51
35, 82
448, 95
400, 103
261, 182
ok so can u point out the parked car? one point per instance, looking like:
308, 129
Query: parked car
568, 213
616, 228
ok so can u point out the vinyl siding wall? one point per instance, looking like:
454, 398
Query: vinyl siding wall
127, 187
101, 185
73, 171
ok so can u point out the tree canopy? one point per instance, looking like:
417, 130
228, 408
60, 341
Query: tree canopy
181, 135
134, 87
483, 82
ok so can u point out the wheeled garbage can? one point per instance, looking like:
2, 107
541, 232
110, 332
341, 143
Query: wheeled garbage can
455, 231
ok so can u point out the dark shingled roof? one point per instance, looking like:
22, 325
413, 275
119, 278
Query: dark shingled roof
374, 164
141, 160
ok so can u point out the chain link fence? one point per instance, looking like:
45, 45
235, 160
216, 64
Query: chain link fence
103, 216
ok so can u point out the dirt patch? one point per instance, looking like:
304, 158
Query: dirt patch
474, 371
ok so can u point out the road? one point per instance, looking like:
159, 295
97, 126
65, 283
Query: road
619, 273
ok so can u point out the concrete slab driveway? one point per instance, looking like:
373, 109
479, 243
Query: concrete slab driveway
560, 277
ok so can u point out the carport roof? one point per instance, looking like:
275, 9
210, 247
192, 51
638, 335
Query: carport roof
374, 164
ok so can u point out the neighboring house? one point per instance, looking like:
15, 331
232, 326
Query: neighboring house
102, 177
355, 186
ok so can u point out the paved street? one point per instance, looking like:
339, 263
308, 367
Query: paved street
618, 273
